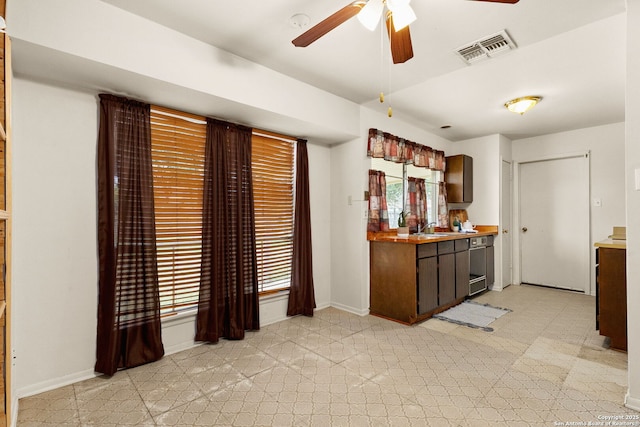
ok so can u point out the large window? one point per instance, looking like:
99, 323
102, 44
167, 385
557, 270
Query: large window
178, 147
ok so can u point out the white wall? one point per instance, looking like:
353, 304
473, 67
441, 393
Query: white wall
54, 229
606, 145
54, 239
632, 147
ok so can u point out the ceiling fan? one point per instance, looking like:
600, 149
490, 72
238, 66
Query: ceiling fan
398, 17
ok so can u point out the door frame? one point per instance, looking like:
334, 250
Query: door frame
506, 236
516, 215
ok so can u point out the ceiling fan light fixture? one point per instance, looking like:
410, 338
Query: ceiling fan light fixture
402, 14
370, 14
523, 104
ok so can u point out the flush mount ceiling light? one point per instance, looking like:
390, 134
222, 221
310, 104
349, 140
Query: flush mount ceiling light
523, 104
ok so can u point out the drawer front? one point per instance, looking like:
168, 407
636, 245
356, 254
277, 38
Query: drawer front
427, 250
445, 247
461, 245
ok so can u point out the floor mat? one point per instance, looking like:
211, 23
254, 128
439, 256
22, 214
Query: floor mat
473, 315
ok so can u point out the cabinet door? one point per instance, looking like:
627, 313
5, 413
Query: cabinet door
459, 179
613, 296
427, 284
446, 279
462, 274
491, 277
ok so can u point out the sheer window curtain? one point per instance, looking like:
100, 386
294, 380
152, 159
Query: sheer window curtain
301, 292
129, 330
228, 302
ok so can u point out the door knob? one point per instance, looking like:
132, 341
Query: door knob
505, 231
524, 229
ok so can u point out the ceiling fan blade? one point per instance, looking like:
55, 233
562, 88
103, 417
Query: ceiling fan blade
501, 1
328, 24
401, 48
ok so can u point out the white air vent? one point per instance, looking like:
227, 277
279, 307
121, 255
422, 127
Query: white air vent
486, 47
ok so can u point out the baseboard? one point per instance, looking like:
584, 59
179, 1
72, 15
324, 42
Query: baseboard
55, 383
632, 402
358, 312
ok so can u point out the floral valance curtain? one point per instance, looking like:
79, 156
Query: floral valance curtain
386, 146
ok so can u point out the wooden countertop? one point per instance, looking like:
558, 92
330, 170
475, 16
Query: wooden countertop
391, 236
612, 244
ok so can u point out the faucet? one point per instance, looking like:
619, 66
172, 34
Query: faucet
431, 227
419, 228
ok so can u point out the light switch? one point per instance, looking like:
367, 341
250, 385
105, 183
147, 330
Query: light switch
349, 200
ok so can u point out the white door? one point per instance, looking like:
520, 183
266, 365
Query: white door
554, 223
505, 220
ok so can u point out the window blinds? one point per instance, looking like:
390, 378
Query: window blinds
178, 147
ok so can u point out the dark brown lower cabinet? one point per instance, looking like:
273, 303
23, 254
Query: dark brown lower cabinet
411, 282
446, 279
612, 295
446, 273
427, 284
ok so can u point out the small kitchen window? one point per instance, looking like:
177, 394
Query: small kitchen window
396, 178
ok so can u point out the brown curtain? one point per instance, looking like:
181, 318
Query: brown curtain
301, 294
129, 332
228, 303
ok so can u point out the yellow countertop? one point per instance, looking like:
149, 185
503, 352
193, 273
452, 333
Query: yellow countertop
441, 236
612, 244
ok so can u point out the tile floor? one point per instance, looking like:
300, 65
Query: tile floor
542, 365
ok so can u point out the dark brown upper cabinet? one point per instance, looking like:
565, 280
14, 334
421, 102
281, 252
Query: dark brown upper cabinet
459, 178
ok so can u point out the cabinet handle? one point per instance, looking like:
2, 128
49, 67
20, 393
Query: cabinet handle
505, 231
524, 229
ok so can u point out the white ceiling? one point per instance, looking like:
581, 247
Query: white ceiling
570, 52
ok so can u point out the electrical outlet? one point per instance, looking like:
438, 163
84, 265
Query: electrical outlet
365, 213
